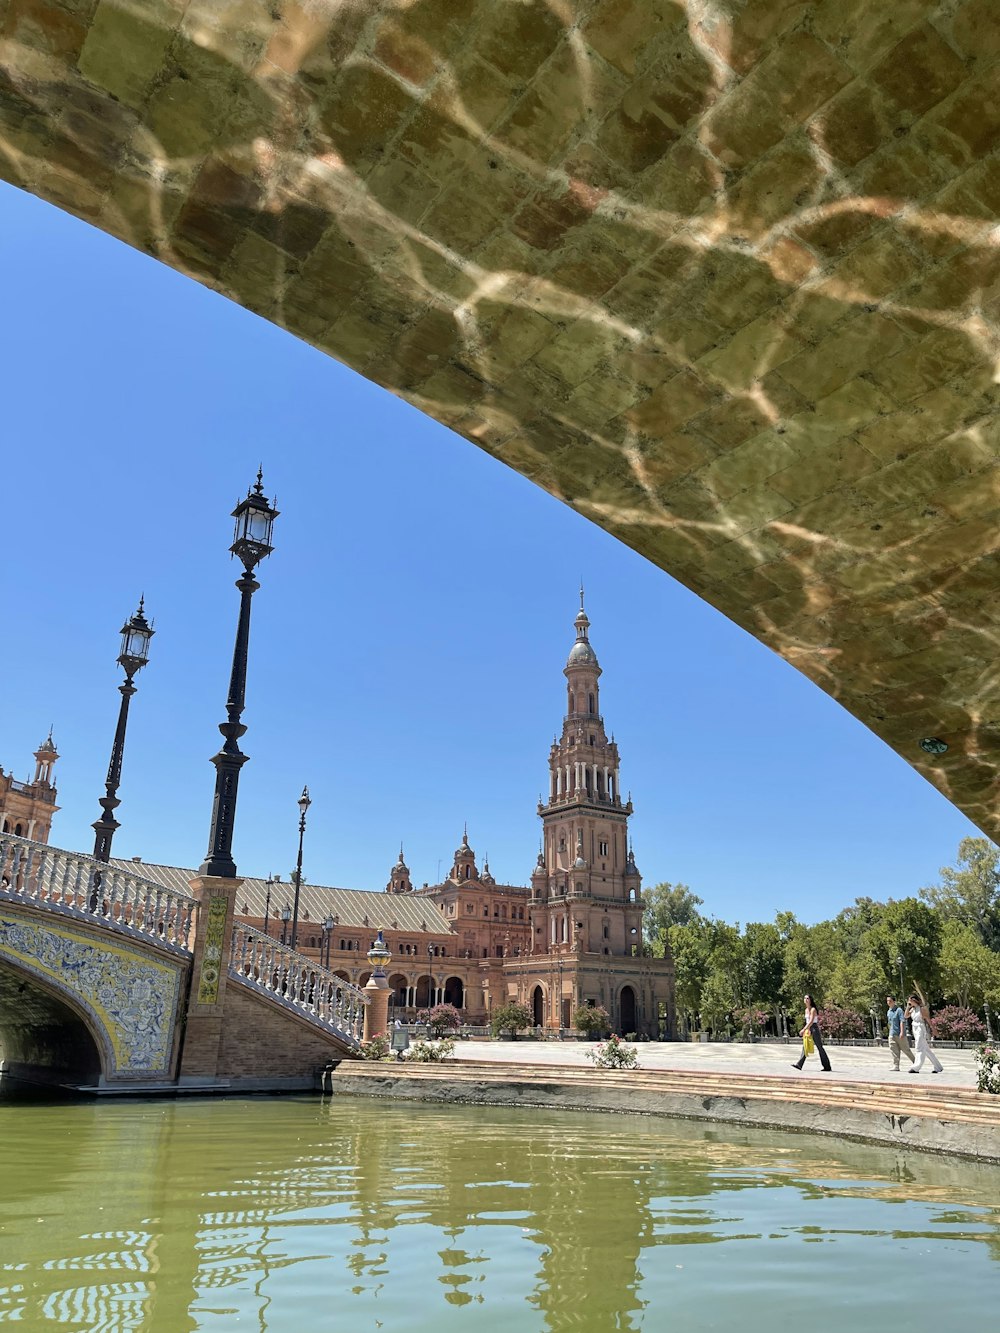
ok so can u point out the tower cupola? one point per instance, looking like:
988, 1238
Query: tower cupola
464, 867
399, 876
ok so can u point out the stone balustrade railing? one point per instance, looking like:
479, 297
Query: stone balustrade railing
282, 974
38, 875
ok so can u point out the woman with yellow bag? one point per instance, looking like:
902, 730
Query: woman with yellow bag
812, 1038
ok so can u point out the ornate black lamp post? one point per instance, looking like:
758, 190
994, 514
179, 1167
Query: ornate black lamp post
251, 543
304, 804
327, 929
286, 916
136, 634
267, 902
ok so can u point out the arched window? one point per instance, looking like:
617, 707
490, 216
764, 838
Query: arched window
590, 700
468, 872
17, 831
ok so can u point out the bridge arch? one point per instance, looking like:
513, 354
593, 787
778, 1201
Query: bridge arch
114, 995
45, 1035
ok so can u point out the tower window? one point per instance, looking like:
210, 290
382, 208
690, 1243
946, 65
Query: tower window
603, 848
590, 699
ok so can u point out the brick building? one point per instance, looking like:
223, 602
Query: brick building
26, 808
571, 936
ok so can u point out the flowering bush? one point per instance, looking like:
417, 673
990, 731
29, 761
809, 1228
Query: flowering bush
613, 1054
592, 1019
442, 1019
375, 1048
988, 1069
835, 1022
430, 1052
751, 1020
955, 1023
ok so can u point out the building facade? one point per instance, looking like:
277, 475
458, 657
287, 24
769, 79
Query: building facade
26, 808
571, 937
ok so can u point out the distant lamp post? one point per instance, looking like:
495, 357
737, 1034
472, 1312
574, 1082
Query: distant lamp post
327, 929
136, 634
251, 543
989, 1026
267, 902
286, 916
304, 804
876, 1026
430, 977
899, 964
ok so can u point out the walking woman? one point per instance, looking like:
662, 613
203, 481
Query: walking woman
919, 1015
811, 1029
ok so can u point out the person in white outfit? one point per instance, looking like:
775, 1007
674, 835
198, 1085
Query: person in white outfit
921, 1044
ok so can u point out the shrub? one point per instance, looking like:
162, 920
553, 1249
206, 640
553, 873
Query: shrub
956, 1023
592, 1020
988, 1069
441, 1020
430, 1052
751, 1020
509, 1017
376, 1048
613, 1054
834, 1022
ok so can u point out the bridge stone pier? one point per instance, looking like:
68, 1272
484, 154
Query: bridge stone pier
111, 983
722, 274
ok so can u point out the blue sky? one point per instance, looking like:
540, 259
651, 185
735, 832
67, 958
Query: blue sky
410, 632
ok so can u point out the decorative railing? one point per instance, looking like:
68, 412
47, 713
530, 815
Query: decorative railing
38, 875
45, 794
291, 979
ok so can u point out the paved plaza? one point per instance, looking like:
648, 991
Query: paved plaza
863, 1064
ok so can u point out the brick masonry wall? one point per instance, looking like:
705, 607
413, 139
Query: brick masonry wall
261, 1040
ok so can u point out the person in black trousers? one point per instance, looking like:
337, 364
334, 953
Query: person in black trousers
811, 1028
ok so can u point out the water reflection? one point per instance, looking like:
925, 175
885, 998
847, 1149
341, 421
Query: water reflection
266, 1214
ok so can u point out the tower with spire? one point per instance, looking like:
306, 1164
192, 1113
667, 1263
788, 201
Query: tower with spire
585, 890
26, 808
399, 876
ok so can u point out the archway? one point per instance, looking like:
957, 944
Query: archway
397, 987
43, 1038
454, 992
627, 1010
425, 992
538, 1007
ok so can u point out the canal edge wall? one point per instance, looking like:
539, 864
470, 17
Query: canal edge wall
953, 1121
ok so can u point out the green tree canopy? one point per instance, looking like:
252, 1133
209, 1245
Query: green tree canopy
970, 891
667, 905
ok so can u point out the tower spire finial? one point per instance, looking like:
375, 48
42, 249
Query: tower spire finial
581, 592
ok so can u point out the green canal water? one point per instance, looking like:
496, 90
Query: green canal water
294, 1214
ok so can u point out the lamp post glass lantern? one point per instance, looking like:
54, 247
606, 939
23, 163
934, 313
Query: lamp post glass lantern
286, 916
327, 929
136, 634
304, 804
254, 518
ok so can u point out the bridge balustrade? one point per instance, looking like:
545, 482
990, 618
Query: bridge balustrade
267, 965
72, 884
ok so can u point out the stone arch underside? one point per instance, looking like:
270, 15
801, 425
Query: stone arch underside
43, 1038
122, 999
721, 277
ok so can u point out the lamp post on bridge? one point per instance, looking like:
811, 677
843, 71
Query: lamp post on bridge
251, 543
286, 916
136, 634
304, 804
328, 925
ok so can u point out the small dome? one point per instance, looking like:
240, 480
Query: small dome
581, 654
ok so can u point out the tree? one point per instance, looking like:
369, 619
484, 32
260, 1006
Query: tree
667, 905
969, 892
911, 930
510, 1017
969, 971
691, 947
763, 964
592, 1020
